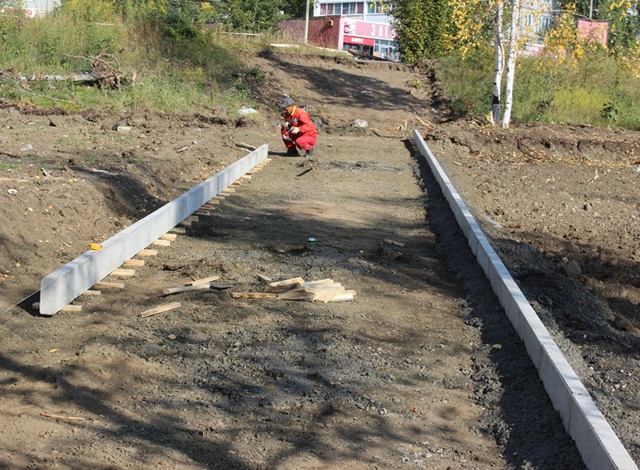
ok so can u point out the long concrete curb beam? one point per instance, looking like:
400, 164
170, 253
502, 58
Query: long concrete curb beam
598, 445
62, 286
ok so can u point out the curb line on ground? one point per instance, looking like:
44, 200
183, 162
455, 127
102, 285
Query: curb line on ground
68, 282
596, 441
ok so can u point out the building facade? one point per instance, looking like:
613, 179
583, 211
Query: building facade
363, 27
34, 8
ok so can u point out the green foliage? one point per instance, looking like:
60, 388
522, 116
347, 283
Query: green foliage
420, 27
598, 91
611, 111
167, 62
251, 15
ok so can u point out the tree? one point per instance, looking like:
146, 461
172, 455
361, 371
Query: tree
511, 61
251, 15
498, 62
420, 27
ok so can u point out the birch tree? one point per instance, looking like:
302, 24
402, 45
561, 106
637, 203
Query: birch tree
511, 61
498, 63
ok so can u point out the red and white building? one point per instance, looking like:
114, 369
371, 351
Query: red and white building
360, 26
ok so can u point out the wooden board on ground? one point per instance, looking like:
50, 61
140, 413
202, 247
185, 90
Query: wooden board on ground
160, 309
203, 280
123, 272
108, 285
253, 295
133, 263
175, 290
92, 292
148, 252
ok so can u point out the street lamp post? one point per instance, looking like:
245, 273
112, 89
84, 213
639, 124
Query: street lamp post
306, 23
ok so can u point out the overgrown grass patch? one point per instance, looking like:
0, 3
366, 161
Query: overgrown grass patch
595, 91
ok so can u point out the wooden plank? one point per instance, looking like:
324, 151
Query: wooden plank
298, 294
342, 297
169, 236
203, 280
161, 243
208, 207
192, 218
175, 290
330, 292
123, 272
202, 212
92, 292
253, 295
72, 308
178, 230
264, 278
133, 263
228, 190
108, 285
147, 252
292, 280
282, 288
160, 309
320, 282
185, 223
393, 242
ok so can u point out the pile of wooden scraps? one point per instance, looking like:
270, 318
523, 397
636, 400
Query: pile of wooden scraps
324, 290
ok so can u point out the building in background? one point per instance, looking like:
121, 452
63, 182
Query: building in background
33, 8
362, 27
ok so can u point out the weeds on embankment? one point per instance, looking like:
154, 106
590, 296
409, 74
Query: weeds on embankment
596, 90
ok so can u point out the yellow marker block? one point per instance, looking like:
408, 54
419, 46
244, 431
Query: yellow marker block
95, 246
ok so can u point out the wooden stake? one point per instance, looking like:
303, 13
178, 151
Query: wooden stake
160, 309
178, 230
148, 252
72, 308
92, 292
123, 272
66, 418
169, 236
133, 263
162, 243
108, 285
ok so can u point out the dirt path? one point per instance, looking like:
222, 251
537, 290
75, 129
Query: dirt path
422, 370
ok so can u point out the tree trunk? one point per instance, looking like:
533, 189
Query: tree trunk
511, 61
498, 64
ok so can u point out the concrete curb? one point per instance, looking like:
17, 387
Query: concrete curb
598, 445
65, 284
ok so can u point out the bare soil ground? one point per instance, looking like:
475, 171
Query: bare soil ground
421, 370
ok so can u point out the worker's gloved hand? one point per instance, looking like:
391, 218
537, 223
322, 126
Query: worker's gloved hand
293, 130
286, 126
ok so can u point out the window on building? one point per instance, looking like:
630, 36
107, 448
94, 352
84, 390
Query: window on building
347, 8
378, 6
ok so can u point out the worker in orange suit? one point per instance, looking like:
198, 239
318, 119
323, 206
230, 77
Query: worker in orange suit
298, 130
